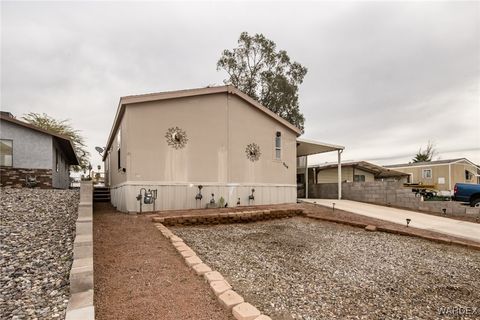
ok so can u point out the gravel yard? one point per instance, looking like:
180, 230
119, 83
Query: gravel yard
36, 235
304, 269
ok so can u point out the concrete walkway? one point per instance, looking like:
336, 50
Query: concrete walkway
457, 228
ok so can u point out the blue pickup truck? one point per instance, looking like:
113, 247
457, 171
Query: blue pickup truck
466, 192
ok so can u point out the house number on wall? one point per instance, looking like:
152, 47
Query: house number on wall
176, 137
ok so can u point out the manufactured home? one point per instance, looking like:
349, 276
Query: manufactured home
441, 174
199, 146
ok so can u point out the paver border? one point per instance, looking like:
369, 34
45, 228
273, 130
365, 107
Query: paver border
394, 231
213, 278
80, 305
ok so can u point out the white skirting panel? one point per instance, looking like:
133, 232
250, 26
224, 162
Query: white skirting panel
182, 196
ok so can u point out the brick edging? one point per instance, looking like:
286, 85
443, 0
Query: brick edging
229, 299
399, 232
80, 305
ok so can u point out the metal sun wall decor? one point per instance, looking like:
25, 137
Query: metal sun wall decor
253, 152
176, 137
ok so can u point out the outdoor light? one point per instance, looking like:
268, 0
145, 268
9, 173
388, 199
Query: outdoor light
238, 202
408, 221
333, 206
444, 211
199, 195
251, 197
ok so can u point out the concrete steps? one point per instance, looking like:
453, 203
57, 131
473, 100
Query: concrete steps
101, 194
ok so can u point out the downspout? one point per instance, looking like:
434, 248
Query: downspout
306, 177
340, 174
450, 178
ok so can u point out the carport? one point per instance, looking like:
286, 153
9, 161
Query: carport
307, 148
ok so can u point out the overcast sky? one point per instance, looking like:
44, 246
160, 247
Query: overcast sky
383, 78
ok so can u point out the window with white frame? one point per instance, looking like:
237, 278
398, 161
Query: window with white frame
427, 173
278, 145
6, 152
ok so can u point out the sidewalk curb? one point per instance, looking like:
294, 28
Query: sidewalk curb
399, 232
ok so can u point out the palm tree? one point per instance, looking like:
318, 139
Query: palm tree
427, 155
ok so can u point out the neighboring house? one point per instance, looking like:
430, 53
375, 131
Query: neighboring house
216, 137
29, 151
442, 174
353, 171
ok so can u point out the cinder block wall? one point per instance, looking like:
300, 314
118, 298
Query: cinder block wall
391, 193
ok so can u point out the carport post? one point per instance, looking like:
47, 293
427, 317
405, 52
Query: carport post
306, 177
339, 174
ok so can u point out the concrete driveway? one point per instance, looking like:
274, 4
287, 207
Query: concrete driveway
457, 228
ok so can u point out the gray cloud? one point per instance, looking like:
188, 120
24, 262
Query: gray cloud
384, 77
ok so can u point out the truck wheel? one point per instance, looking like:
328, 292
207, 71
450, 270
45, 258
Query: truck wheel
475, 203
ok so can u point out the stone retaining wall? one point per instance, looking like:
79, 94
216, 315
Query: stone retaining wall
227, 217
15, 177
390, 194
80, 306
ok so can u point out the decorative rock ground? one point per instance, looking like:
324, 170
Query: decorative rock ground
36, 235
307, 269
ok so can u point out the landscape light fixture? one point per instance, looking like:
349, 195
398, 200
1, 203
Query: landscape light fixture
444, 211
408, 221
212, 201
251, 197
199, 195
333, 206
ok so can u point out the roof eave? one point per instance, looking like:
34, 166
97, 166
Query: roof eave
73, 155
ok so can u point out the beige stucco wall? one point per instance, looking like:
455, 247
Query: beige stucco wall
248, 125
219, 127
330, 175
204, 157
